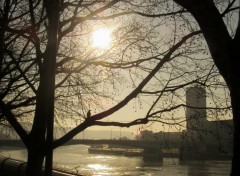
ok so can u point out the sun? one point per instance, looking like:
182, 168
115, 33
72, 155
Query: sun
101, 38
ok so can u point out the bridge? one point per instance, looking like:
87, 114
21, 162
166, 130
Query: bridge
152, 148
128, 143
143, 144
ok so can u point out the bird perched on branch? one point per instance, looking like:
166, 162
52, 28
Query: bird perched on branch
89, 113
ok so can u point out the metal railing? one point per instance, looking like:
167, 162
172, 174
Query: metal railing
13, 167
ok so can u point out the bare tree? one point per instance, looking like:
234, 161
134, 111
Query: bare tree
50, 73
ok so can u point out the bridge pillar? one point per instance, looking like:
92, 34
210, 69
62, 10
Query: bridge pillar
192, 149
152, 154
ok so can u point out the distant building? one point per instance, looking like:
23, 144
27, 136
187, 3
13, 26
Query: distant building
201, 135
196, 115
146, 135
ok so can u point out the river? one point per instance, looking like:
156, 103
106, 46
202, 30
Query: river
76, 158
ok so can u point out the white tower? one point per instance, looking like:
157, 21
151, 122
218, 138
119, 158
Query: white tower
196, 108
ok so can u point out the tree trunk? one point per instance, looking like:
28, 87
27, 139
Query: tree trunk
234, 87
51, 55
35, 162
235, 97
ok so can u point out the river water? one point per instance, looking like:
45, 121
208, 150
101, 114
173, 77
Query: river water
76, 158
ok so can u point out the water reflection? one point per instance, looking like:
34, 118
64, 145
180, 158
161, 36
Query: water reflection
207, 168
98, 166
199, 168
150, 164
100, 169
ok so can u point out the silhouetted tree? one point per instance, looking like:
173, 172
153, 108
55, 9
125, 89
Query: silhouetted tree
50, 73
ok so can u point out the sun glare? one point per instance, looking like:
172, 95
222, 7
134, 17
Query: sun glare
101, 38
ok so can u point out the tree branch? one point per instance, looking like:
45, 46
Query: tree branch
90, 121
13, 121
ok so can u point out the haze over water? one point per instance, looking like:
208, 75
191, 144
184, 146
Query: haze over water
76, 158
